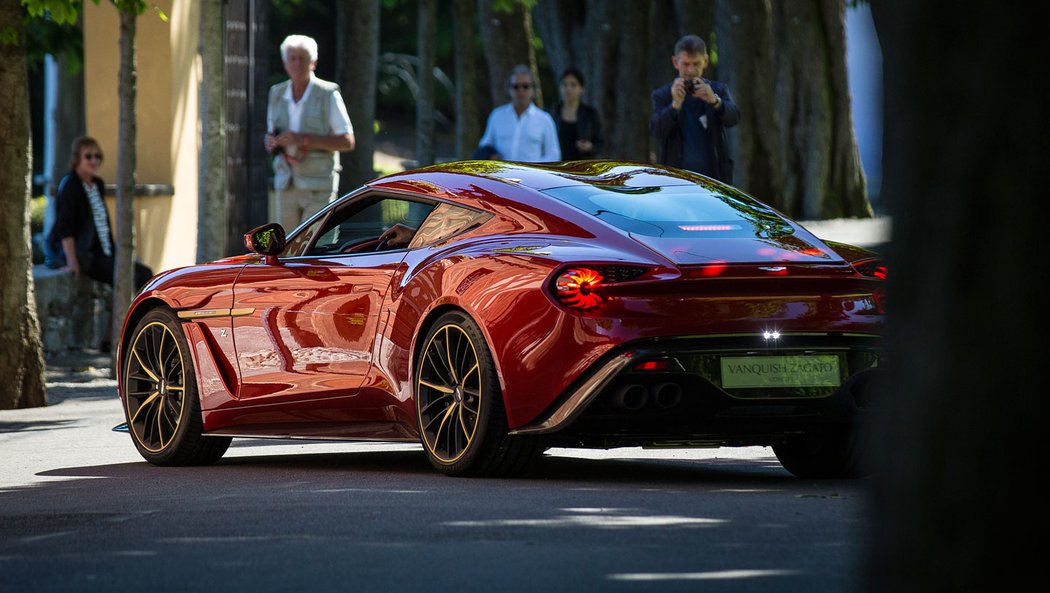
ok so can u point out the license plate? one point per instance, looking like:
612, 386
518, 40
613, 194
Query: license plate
820, 370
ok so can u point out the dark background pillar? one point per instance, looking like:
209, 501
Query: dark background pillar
247, 166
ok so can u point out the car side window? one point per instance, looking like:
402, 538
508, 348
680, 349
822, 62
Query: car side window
356, 227
298, 244
446, 222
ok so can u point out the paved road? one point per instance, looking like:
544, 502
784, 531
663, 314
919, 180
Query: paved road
80, 511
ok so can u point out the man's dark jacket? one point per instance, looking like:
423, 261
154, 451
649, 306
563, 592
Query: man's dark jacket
73, 218
665, 126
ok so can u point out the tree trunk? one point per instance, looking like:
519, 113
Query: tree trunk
789, 79
958, 504
810, 99
211, 190
507, 38
747, 64
69, 116
846, 188
468, 115
124, 270
358, 56
696, 18
602, 30
583, 34
426, 22
631, 133
21, 357
557, 23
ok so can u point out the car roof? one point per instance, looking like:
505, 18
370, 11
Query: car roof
542, 176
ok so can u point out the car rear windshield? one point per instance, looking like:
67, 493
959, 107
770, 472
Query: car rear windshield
676, 211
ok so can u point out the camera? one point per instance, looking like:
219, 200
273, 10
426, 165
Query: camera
690, 85
276, 149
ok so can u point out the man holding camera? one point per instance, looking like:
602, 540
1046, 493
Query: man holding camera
308, 126
690, 115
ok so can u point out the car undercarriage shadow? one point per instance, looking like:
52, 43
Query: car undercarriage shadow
405, 466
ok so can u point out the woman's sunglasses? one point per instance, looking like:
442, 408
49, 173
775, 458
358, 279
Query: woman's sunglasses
93, 156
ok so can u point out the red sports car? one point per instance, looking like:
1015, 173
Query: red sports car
491, 310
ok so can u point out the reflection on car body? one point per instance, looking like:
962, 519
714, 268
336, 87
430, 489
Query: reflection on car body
587, 304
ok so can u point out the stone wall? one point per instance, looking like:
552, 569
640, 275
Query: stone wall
74, 313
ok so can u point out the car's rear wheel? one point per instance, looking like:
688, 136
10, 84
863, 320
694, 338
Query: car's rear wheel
161, 403
836, 453
459, 404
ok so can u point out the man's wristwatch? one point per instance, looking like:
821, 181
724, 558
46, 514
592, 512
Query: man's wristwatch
717, 103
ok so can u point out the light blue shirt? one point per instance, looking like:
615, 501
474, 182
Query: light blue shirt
530, 137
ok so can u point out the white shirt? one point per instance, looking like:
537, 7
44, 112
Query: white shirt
338, 118
530, 137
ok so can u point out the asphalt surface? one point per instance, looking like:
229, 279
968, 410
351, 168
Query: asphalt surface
81, 511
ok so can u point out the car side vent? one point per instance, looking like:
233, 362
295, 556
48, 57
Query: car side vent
620, 273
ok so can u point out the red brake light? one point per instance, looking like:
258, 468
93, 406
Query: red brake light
709, 227
651, 365
873, 268
575, 288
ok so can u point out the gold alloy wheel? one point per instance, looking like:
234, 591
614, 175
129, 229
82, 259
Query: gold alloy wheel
155, 387
449, 393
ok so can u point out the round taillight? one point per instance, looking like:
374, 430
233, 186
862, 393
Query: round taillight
575, 288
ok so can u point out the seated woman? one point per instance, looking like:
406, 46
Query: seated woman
81, 239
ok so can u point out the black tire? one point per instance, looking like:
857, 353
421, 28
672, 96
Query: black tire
837, 453
459, 405
161, 403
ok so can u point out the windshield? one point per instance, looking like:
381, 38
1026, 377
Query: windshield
676, 211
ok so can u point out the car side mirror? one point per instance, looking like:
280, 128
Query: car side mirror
268, 240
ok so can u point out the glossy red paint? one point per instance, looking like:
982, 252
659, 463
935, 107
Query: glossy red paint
326, 346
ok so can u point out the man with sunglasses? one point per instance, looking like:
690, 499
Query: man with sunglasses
519, 130
80, 240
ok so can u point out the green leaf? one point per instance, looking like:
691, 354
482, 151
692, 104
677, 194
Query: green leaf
63, 12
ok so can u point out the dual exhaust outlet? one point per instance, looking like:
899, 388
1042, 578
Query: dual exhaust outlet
635, 396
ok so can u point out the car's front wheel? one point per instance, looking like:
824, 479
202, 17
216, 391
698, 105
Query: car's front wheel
459, 404
160, 395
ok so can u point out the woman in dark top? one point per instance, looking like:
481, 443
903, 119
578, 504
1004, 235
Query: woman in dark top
579, 125
81, 239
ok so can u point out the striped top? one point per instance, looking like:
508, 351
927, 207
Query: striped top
98, 212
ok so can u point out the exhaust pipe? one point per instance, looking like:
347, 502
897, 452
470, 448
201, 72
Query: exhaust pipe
667, 395
631, 397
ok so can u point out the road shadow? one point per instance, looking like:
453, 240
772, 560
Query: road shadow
408, 467
30, 425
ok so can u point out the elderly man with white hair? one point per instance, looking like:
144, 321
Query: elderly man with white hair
307, 127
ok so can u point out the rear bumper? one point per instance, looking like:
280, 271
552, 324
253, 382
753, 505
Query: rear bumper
616, 404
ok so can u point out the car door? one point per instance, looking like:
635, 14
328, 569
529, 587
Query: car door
315, 313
